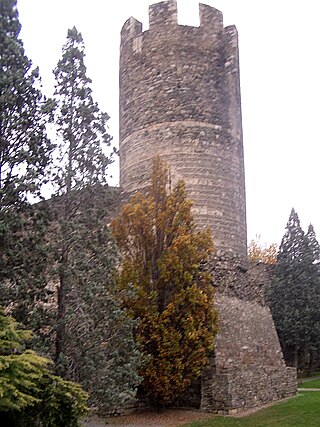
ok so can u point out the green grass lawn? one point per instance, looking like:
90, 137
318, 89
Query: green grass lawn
306, 375
310, 384
300, 411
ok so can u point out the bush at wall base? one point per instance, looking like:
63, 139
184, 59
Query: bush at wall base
30, 395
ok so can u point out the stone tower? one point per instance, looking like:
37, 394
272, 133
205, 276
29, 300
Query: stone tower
180, 98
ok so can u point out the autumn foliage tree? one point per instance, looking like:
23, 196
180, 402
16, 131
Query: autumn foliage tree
171, 293
259, 252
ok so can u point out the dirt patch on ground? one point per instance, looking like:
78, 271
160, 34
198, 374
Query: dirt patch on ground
168, 418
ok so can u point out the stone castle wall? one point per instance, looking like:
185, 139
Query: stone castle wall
180, 98
247, 368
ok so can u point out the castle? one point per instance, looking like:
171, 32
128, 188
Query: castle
180, 98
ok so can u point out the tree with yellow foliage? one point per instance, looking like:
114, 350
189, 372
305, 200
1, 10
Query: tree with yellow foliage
171, 293
262, 253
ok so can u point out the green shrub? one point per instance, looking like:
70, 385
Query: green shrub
30, 395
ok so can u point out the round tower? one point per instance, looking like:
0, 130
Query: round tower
180, 98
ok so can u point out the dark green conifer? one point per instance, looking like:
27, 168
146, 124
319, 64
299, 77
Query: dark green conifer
25, 153
94, 341
24, 146
286, 296
82, 162
311, 279
294, 294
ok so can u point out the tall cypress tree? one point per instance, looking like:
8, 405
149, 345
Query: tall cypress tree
25, 153
81, 163
171, 294
311, 257
82, 127
94, 341
24, 146
286, 297
294, 293
313, 247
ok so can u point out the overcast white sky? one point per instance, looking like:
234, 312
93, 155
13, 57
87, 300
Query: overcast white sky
280, 87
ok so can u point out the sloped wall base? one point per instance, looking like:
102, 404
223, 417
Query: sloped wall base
247, 369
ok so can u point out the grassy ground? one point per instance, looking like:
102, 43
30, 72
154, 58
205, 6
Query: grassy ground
306, 375
311, 384
300, 411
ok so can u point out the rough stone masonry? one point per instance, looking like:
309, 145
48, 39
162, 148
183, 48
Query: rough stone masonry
180, 98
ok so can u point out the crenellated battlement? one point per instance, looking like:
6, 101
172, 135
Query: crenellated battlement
210, 18
164, 15
131, 28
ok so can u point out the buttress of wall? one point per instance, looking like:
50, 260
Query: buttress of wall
247, 369
180, 98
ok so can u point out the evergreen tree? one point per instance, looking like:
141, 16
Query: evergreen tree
293, 294
313, 247
98, 349
311, 279
82, 162
29, 394
24, 146
94, 341
25, 154
287, 297
170, 293
82, 127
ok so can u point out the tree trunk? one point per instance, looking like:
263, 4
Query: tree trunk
310, 362
61, 320
295, 356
